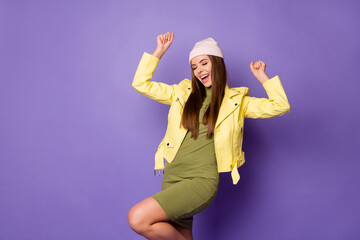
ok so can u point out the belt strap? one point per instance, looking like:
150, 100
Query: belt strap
159, 160
235, 173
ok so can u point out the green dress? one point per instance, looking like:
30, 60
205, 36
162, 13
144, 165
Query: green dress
191, 180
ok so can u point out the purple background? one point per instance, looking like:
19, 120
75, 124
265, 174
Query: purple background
78, 142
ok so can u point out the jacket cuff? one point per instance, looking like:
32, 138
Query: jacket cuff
274, 88
146, 68
271, 81
150, 57
148, 63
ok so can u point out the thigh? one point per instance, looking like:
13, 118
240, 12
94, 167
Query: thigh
186, 198
149, 211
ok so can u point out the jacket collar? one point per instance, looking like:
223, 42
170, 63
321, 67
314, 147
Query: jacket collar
232, 100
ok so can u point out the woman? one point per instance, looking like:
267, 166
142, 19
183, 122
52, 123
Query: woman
203, 136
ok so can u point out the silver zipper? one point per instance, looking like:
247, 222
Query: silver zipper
177, 99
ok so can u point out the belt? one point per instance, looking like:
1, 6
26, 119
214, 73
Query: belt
235, 173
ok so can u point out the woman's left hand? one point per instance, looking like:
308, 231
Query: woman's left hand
258, 69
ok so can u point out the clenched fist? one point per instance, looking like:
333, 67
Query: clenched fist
163, 43
258, 69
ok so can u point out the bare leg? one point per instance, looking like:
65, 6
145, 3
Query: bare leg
187, 233
148, 219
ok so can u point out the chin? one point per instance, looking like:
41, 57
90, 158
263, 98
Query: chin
207, 84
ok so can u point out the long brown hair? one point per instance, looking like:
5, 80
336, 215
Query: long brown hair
190, 116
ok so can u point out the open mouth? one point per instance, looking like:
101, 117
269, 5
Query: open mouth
204, 78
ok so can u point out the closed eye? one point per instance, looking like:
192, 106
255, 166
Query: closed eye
202, 64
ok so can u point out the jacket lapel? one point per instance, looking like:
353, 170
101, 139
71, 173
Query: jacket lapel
229, 104
232, 100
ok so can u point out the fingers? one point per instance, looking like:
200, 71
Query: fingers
171, 36
257, 65
162, 38
166, 37
159, 38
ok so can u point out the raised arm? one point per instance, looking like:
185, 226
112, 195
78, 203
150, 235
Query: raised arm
276, 105
157, 91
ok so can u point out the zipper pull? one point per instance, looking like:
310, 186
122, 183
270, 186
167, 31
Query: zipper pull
177, 99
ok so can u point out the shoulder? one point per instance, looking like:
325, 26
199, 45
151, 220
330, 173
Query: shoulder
240, 90
184, 84
183, 88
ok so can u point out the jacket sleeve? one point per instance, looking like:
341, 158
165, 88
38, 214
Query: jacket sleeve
276, 105
157, 91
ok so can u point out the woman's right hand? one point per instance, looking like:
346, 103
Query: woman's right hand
163, 43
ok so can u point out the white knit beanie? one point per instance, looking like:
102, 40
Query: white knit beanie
207, 46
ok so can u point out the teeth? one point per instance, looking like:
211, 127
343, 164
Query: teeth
204, 76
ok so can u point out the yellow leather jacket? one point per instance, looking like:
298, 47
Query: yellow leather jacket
228, 134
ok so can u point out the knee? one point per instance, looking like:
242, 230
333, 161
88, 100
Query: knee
136, 220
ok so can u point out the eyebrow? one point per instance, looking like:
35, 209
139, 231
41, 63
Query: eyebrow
199, 62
